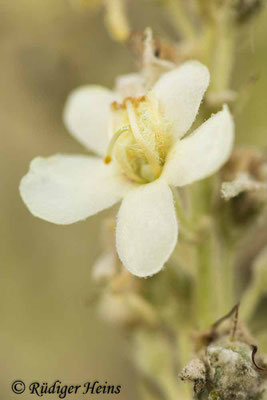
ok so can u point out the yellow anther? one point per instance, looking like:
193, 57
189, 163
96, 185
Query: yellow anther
141, 138
151, 155
107, 159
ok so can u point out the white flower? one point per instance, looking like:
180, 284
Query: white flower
145, 154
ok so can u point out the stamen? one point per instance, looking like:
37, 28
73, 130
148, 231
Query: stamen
112, 142
150, 155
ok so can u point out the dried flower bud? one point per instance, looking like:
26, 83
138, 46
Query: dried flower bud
105, 267
231, 371
242, 183
127, 310
195, 371
162, 49
245, 160
158, 56
226, 371
226, 368
245, 183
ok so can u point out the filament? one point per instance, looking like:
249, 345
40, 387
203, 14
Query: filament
113, 141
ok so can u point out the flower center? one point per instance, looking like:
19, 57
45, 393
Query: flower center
140, 139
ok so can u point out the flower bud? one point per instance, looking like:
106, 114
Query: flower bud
245, 184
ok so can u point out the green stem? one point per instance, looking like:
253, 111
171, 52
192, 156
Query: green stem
155, 357
228, 278
181, 20
205, 284
180, 212
250, 300
257, 287
221, 51
206, 255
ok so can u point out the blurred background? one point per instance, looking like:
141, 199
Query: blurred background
48, 328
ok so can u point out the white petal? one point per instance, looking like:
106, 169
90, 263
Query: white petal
146, 228
86, 116
203, 152
180, 92
130, 85
64, 189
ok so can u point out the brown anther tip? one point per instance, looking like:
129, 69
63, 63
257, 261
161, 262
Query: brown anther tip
107, 159
115, 105
141, 98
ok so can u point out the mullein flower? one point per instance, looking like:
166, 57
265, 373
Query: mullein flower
142, 152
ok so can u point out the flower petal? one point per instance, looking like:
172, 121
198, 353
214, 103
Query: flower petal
130, 85
146, 228
203, 152
180, 92
64, 189
86, 116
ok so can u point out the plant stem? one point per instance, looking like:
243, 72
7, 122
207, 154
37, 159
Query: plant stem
228, 278
222, 50
204, 284
181, 20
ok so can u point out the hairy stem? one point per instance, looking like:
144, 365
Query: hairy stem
222, 50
